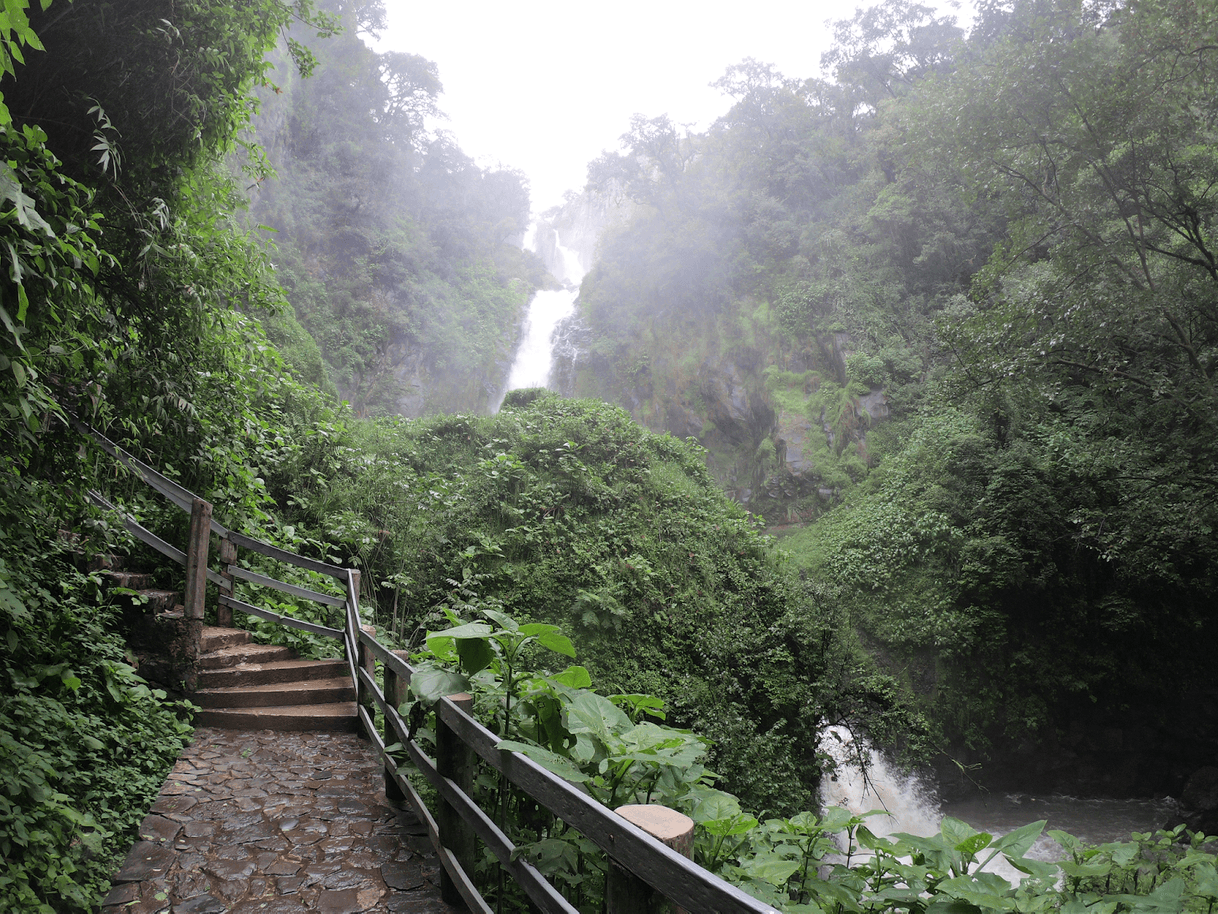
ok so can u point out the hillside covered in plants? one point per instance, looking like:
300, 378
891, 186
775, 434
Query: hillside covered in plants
132, 296
135, 298
955, 304
401, 257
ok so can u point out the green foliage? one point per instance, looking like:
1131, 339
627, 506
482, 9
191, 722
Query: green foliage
52, 321
84, 743
117, 302
567, 513
15, 33
1024, 267
806, 863
395, 249
174, 90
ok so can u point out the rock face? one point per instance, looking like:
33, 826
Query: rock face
737, 414
784, 426
793, 439
1199, 801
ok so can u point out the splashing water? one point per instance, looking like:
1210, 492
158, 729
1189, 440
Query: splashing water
909, 805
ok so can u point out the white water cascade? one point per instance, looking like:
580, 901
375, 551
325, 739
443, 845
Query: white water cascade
910, 807
907, 805
535, 356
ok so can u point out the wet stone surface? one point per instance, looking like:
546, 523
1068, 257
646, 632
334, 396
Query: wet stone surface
266, 822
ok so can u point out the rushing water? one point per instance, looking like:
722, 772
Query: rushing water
913, 808
549, 308
535, 356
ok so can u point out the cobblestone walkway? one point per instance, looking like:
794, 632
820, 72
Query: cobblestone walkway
268, 822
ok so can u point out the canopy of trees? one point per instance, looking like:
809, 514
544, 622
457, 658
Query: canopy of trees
1008, 238
400, 256
131, 297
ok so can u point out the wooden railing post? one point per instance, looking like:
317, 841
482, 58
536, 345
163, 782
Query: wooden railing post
196, 558
195, 593
626, 893
365, 661
395, 694
228, 556
355, 576
457, 762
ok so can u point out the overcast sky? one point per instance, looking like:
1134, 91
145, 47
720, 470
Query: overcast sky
545, 87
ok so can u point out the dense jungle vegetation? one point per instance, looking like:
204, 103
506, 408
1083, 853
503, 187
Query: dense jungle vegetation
1008, 236
401, 258
133, 297
962, 291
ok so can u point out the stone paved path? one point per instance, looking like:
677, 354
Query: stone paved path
268, 822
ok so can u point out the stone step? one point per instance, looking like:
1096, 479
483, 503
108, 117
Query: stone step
321, 691
338, 717
243, 655
274, 671
132, 580
159, 601
215, 638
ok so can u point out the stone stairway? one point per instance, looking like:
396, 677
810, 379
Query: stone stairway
246, 686
165, 605
241, 685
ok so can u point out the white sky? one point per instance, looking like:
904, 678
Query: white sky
545, 87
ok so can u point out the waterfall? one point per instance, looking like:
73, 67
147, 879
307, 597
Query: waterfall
908, 804
912, 807
534, 358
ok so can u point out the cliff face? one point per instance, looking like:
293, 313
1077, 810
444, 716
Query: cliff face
400, 256
785, 427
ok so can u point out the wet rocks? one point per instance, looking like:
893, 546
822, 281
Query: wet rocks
1199, 801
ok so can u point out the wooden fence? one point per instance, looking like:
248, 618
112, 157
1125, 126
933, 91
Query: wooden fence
645, 874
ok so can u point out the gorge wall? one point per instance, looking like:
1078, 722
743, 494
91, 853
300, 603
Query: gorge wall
785, 426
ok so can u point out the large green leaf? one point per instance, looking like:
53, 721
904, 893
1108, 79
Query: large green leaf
985, 890
430, 685
549, 636
714, 804
739, 824
594, 714
476, 654
773, 869
1018, 842
444, 643
551, 761
574, 677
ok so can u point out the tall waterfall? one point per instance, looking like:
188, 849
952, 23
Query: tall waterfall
535, 356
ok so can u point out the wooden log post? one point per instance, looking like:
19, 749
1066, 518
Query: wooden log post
457, 762
395, 694
626, 893
228, 556
366, 661
195, 593
355, 578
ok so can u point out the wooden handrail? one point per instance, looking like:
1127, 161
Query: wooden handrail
195, 559
180, 496
667, 872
